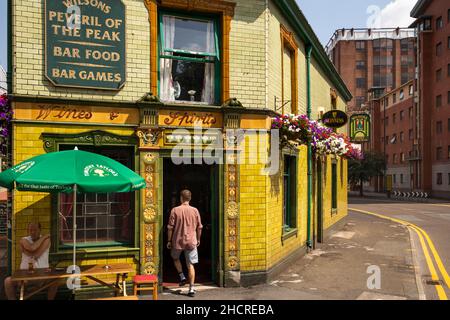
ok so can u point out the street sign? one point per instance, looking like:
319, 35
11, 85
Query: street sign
360, 127
335, 119
85, 44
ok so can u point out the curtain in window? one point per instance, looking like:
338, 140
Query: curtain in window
208, 82
166, 80
65, 211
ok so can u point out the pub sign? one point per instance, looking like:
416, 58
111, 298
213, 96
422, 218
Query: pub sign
85, 43
360, 127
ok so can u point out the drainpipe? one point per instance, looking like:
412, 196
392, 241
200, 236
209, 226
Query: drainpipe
9, 82
308, 113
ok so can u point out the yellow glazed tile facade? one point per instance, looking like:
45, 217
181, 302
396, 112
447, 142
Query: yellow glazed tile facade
36, 207
255, 72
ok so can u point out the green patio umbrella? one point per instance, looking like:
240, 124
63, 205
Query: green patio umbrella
71, 171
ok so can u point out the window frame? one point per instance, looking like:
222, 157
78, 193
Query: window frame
438, 153
439, 23
334, 186
290, 198
439, 178
439, 49
438, 101
439, 127
360, 45
288, 42
217, 57
133, 207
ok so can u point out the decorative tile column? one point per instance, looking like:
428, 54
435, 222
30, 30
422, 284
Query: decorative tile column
150, 214
149, 135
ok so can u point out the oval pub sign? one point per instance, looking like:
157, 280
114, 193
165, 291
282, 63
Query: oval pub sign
335, 119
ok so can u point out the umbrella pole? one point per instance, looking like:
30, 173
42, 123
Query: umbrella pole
74, 230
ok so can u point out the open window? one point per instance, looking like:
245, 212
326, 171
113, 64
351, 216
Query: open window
189, 58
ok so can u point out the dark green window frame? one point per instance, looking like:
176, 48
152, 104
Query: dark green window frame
58, 253
189, 56
289, 193
334, 184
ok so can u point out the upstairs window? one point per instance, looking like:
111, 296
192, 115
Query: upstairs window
438, 101
439, 127
439, 49
360, 83
360, 45
439, 153
361, 65
439, 75
189, 59
439, 23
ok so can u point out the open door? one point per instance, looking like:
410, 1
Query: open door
201, 180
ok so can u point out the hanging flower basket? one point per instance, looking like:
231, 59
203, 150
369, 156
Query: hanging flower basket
298, 129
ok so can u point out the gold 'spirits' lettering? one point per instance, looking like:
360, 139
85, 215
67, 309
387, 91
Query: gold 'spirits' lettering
179, 118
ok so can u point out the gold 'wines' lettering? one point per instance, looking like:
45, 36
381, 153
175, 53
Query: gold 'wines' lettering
63, 113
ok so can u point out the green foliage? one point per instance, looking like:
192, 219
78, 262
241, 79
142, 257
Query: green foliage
372, 165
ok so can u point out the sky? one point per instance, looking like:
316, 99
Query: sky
325, 16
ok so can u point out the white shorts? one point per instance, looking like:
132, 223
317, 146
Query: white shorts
190, 255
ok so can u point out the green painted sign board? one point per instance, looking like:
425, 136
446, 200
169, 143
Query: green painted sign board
85, 43
360, 128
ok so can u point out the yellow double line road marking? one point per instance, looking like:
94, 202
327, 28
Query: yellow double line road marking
421, 234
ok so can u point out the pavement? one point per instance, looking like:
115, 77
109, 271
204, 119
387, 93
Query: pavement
383, 250
429, 224
340, 269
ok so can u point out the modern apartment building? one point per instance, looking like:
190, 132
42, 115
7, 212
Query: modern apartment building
372, 58
433, 94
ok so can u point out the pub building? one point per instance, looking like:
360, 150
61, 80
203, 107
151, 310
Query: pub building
122, 77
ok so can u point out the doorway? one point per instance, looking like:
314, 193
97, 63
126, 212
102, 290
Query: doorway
202, 181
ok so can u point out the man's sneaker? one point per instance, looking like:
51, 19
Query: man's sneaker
191, 293
183, 282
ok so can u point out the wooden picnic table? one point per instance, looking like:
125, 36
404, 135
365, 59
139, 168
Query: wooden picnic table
120, 270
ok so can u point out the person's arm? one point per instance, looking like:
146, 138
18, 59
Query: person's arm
170, 226
44, 246
199, 228
31, 248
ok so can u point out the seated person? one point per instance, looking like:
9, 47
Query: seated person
35, 249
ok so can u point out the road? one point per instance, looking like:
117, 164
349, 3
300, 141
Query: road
429, 225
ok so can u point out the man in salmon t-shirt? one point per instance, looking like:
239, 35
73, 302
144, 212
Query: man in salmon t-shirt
184, 232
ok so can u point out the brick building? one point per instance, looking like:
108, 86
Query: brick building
433, 94
264, 53
372, 58
393, 134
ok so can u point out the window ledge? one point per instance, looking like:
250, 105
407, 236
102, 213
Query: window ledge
95, 253
334, 211
289, 234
